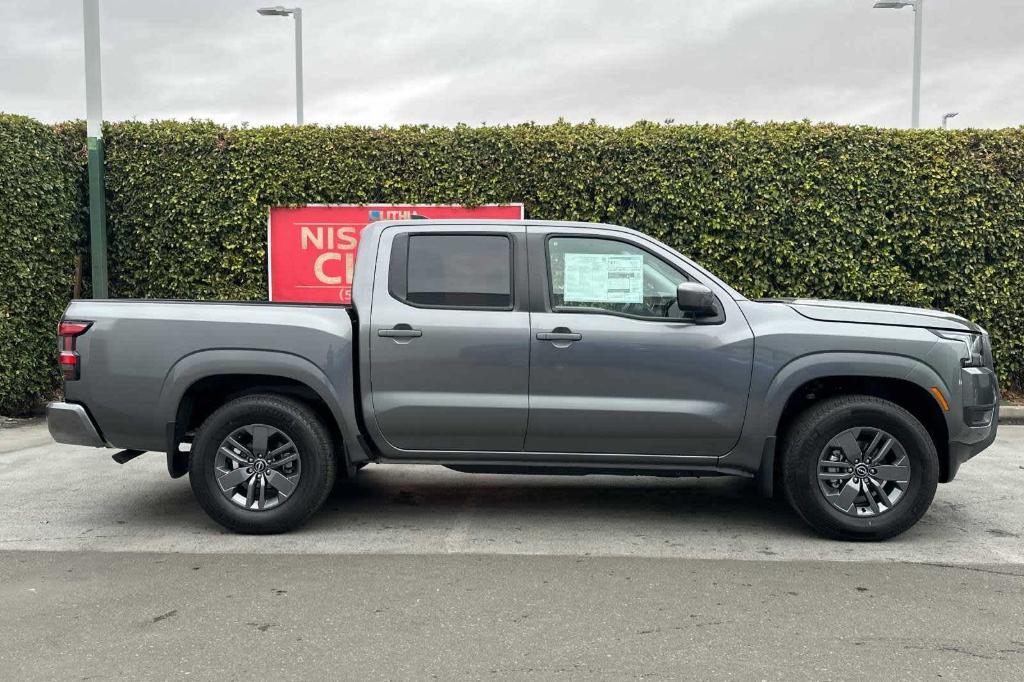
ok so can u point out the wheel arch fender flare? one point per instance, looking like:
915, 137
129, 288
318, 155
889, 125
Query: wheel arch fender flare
850, 364
209, 363
763, 437
824, 365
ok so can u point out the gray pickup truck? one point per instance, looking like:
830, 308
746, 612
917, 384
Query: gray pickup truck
533, 347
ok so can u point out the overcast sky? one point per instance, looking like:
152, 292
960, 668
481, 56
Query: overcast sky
378, 62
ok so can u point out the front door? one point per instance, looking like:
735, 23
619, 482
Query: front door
615, 367
450, 339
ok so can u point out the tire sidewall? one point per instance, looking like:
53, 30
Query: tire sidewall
802, 474
313, 446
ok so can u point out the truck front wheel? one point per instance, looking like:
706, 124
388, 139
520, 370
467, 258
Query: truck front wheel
858, 467
262, 464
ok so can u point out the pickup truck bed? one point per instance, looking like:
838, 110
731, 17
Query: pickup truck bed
149, 353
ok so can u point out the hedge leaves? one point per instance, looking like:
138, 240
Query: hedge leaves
925, 217
40, 202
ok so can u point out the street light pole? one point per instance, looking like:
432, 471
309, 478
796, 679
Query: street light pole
946, 117
94, 145
918, 7
915, 115
296, 14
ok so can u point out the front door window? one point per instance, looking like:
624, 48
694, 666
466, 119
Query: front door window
611, 276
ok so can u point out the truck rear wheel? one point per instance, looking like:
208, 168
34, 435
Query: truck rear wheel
262, 464
859, 468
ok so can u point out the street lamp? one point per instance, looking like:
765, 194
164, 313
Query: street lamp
946, 117
296, 13
918, 5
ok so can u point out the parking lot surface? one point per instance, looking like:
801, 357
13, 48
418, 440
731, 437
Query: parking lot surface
110, 571
69, 498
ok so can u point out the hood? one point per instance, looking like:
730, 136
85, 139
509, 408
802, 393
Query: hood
875, 313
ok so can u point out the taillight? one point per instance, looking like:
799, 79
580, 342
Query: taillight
68, 359
72, 328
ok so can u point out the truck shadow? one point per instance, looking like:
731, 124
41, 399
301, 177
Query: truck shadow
423, 504
425, 496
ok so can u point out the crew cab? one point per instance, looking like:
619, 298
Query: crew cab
533, 347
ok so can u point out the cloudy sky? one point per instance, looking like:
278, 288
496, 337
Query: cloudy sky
502, 61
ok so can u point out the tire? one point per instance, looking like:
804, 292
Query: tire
310, 474
823, 433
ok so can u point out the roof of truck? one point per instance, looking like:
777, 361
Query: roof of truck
374, 229
500, 221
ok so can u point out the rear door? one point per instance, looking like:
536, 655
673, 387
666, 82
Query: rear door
450, 338
615, 367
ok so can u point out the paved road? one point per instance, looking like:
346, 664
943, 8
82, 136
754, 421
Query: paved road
110, 615
110, 571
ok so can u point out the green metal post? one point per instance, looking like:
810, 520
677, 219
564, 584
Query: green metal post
94, 144
97, 219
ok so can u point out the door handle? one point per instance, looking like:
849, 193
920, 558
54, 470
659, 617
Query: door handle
400, 331
559, 334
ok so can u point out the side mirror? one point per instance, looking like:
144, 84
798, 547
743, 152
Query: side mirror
696, 298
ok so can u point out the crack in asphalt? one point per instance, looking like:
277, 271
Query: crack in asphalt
965, 567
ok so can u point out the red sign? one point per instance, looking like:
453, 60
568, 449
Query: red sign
312, 249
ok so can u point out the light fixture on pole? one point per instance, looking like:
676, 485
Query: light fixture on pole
94, 147
918, 5
296, 13
946, 117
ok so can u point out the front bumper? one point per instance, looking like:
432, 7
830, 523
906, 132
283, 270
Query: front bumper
980, 417
70, 423
961, 452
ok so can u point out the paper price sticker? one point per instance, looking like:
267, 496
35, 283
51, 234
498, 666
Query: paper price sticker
604, 278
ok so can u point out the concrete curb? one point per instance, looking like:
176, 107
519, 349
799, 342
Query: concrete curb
1011, 414
19, 422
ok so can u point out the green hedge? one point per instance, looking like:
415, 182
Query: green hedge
927, 218
914, 217
40, 205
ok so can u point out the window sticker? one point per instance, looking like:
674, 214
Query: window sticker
603, 278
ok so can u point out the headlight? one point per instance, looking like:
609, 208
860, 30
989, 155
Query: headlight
972, 354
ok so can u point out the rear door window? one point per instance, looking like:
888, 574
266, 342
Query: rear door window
460, 271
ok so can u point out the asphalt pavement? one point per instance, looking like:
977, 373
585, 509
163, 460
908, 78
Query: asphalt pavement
110, 571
